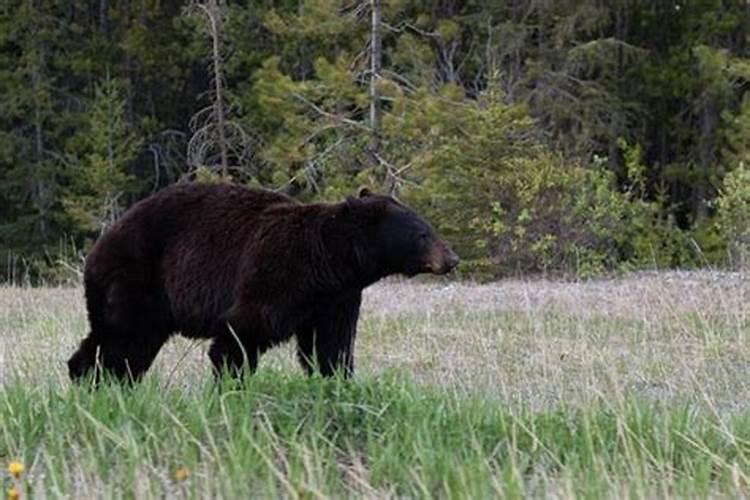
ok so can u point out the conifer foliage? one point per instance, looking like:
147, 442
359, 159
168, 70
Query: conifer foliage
542, 136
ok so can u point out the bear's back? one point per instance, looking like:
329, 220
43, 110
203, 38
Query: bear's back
184, 243
179, 211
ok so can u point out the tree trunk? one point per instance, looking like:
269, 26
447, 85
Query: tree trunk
376, 54
219, 103
103, 17
213, 14
38, 188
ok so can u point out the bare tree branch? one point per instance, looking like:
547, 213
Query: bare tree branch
332, 116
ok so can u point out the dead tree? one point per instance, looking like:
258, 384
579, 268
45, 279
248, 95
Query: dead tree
217, 140
376, 61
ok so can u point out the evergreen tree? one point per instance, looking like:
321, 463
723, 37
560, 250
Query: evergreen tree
297, 97
98, 176
34, 123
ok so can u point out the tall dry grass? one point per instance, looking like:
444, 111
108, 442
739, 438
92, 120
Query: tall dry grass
634, 387
666, 336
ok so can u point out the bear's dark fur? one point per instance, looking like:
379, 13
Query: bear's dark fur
195, 258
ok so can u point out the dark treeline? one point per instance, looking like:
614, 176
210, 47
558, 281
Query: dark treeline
540, 135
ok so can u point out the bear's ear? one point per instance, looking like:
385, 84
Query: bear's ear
364, 192
366, 210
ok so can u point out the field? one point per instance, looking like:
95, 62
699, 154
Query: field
636, 387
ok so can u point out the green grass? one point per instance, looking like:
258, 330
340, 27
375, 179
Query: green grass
636, 387
286, 435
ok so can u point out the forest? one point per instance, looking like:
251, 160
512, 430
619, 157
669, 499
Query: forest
540, 136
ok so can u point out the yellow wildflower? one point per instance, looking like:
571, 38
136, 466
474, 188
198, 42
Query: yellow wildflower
13, 494
181, 474
16, 469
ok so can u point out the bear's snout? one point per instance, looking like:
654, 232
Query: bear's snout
441, 259
451, 260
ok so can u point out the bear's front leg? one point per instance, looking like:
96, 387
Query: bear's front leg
327, 340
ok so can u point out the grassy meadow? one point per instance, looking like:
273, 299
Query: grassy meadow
634, 387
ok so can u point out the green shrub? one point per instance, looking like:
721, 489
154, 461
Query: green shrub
652, 237
457, 182
733, 213
496, 193
655, 241
552, 216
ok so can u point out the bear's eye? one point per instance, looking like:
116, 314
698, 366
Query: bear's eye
423, 238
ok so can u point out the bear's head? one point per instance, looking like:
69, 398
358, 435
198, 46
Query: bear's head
402, 242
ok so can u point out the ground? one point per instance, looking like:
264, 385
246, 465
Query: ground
670, 345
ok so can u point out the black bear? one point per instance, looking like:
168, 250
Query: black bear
247, 268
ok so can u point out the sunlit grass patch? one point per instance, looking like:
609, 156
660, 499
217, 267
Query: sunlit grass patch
636, 387
283, 434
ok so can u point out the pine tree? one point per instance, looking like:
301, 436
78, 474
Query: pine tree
33, 119
98, 175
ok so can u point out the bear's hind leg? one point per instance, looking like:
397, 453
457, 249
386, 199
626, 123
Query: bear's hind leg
125, 356
240, 336
228, 354
128, 327
84, 360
